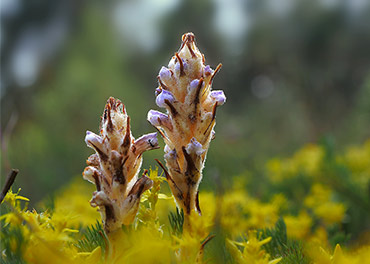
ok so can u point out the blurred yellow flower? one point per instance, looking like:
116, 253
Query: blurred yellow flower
79, 211
321, 256
319, 200
298, 227
262, 215
307, 160
357, 159
233, 207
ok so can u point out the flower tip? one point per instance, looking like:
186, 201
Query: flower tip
188, 37
219, 97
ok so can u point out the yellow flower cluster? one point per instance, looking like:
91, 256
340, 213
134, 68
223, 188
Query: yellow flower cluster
321, 256
239, 212
45, 236
54, 235
319, 200
236, 217
307, 160
357, 159
77, 211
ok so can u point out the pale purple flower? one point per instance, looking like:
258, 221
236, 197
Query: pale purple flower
219, 96
156, 118
165, 74
194, 147
162, 97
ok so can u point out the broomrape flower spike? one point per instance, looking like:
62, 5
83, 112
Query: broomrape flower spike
115, 166
187, 127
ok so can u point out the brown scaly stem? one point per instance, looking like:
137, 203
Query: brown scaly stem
115, 165
187, 128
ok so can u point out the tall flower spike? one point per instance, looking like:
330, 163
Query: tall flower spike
115, 166
187, 128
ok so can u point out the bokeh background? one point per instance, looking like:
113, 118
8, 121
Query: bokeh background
293, 72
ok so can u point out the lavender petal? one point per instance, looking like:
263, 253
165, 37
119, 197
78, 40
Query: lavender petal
219, 96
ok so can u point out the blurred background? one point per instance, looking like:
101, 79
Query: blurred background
293, 72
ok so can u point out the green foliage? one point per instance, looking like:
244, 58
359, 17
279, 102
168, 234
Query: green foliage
280, 246
338, 236
176, 221
294, 253
11, 244
340, 178
278, 236
48, 203
93, 237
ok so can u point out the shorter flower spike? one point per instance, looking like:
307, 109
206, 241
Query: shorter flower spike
115, 165
184, 90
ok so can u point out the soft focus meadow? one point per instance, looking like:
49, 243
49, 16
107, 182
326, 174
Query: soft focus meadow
312, 208
286, 178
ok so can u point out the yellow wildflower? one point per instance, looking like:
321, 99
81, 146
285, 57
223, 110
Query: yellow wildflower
252, 252
262, 215
14, 200
319, 200
306, 160
141, 246
79, 212
320, 237
210, 207
357, 159
320, 256
298, 226
232, 212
